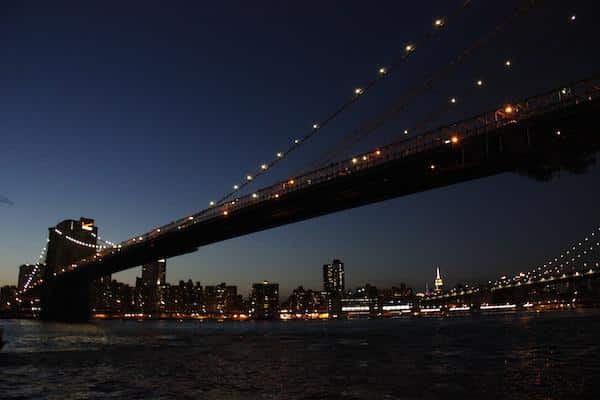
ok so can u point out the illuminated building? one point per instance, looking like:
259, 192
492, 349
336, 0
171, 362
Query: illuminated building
264, 300
102, 296
333, 286
438, 283
155, 273
153, 287
8, 299
302, 302
222, 299
363, 302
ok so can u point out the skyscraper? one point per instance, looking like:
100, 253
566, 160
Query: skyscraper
333, 277
438, 283
155, 273
264, 301
153, 282
334, 286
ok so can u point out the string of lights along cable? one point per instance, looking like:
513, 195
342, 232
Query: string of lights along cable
36, 266
373, 125
357, 93
569, 261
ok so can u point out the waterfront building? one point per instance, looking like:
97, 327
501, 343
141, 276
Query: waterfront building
102, 296
185, 298
8, 300
153, 287
303, 302
362, 303
264, 300
232, 302
334, 286
223, 299
113, 299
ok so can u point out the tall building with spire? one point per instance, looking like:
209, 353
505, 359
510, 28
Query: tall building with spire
438, 283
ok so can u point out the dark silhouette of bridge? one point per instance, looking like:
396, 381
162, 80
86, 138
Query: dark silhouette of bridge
536, 136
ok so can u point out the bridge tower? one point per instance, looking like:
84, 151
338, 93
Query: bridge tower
68, 298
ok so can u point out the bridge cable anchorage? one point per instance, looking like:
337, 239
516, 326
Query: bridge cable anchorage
550, 270
358, 92
371, 126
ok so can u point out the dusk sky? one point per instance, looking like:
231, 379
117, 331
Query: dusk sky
138, 113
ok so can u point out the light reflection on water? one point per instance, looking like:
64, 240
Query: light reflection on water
528, 356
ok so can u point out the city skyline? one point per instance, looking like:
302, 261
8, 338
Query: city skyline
395, 241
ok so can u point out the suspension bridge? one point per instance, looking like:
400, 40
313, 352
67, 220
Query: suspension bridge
577, 266
536, 136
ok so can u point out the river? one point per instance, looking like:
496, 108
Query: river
554, 355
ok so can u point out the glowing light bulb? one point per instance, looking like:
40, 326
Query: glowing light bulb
212, 203
236, 187
406, 131
438, 23
279, 155
249, 177
409, 48
315, 126
254, 195
354, 161
382, 71
453, 100
264, 166
479, 82
507, 63
358, 91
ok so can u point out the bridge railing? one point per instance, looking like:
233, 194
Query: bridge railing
563, 97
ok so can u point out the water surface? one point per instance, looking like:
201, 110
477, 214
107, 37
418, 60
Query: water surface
511, 356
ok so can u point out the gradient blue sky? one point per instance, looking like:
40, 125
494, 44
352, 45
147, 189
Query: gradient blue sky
139, 113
